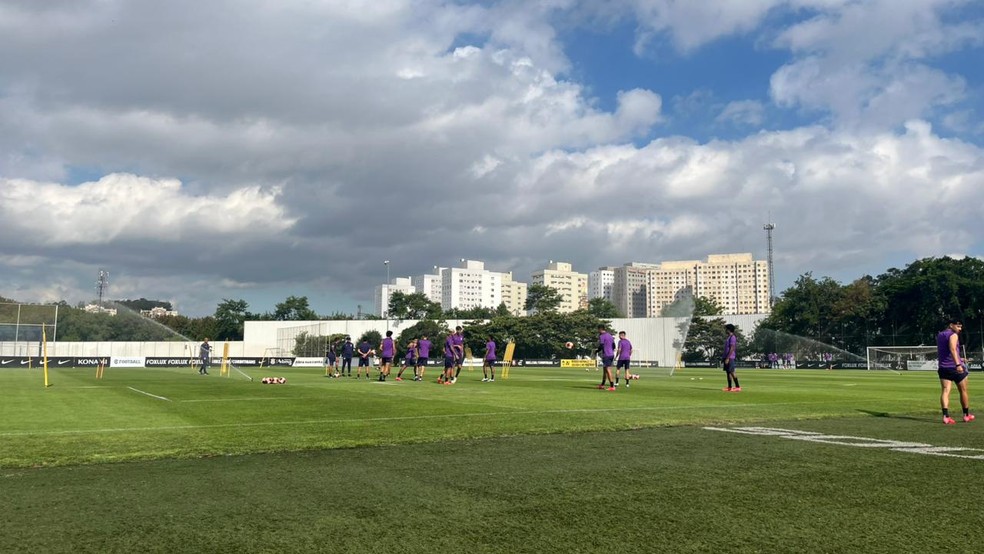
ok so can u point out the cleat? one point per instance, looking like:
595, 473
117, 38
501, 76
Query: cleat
486, 380
948, 420
611, 388
454, 380
602, 387
968, 418
492, 380
727, 389
626, 384
736, 389
399, 378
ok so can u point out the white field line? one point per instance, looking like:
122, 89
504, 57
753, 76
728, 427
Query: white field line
148, 394
361, 420
246, 399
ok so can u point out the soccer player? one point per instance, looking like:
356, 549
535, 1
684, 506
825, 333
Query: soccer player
387, 351
364, 352
331, 361
459, 352
449, 359
423, 356
730, 358
623, 355
205, 356
348, 349
606, 347
952, 369
409, 360
489, 362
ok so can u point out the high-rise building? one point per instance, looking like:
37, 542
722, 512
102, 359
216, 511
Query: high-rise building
736, 282
571, 285
384, 292
600, 284
513, 294
630, 289
470, 286
429, 285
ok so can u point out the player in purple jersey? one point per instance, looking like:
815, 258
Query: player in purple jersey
606, 347
459, 352
387, 351
623, 357
730, 358
409, 360
423, 356
952, 369
449, 358
489, 362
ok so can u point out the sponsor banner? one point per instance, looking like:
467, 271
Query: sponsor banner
241, 362
90, 361
309, 362
921, 365
554, 363
282, 362
169, 362
127, 361
22, 361
577, 363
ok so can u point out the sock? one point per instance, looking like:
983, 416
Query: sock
966, 411
946, 412
736, 383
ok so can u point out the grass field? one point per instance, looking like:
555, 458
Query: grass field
541, 462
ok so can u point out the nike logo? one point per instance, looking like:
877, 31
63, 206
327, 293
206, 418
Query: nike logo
5, 362
25, 362
63, 362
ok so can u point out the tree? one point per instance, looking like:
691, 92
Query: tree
435, 331
602, 308
373, 337
541, 299
294, 308
478, 312
230, 316
412, 306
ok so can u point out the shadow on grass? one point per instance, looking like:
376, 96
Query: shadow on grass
892, 416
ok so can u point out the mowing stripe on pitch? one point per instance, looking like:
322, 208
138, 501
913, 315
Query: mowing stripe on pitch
395, 418
148, 394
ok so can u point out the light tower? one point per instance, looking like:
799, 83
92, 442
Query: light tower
769, 227
102, 284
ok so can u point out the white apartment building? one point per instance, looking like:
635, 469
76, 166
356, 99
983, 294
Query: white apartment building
600, 284
470, 286
384, 292
429, 285
513, 294
571, 285
736, 282
630, 289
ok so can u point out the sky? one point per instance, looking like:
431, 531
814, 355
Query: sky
260, 149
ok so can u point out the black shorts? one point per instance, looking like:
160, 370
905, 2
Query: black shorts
363, 362
387, 359
330, 360
606, 361
489, 363
622, 364
449, 362
422, 361
729, 365
950, 374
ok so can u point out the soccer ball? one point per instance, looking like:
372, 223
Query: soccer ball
273, 380
569, 345
634, 376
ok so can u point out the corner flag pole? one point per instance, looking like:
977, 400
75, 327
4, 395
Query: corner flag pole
224, 370
44, 341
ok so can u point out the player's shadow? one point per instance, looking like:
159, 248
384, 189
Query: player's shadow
891, 416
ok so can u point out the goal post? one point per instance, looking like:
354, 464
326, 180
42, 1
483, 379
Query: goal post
902, 358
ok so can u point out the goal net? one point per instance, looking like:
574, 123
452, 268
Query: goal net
899, 358
22, 327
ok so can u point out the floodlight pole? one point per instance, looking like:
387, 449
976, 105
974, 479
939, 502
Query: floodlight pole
769, 227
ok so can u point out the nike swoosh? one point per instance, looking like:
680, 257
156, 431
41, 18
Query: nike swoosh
63, 362
25, 362
5, 362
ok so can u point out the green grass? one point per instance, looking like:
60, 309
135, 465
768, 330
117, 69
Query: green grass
542, 462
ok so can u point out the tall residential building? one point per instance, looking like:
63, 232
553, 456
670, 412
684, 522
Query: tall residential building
384, 292
429, 285
600, 284
571, 285
630, 289
513, 294
470, 286
736, 282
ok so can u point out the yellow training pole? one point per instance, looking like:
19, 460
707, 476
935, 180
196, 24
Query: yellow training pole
507, 358
225, 361
468, 356
44, 342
